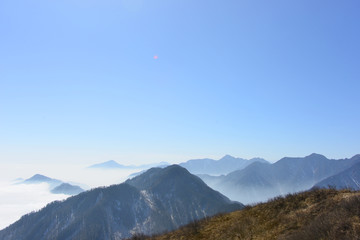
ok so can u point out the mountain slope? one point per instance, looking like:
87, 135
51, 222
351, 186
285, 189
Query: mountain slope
118, 211
183, 193
316, 214
350, 178
224, 165
259, 182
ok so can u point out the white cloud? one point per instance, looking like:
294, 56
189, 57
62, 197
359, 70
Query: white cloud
17, 200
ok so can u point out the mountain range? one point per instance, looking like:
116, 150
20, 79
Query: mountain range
209, 166
222, 166
156, 201
56, 186
163, 199
112, 164
349, 178
260, 181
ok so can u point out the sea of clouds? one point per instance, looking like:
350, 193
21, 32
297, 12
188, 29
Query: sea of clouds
17, 199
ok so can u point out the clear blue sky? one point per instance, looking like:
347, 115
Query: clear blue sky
79, 82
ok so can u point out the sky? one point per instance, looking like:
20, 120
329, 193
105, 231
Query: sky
143, 81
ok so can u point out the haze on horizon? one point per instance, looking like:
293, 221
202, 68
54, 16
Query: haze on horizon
83, 82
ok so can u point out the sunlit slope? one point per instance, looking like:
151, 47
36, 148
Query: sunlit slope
317, 214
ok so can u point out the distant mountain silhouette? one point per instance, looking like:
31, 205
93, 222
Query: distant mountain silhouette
38, 178
349, 178
56, 186
260, 181
68, 189
18, 180
224, 165
111, 164
156, 201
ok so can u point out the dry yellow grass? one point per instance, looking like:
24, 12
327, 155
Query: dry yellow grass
316, 214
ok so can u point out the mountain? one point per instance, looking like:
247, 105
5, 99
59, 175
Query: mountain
111, 164
38, 178
18, 180
224, 165
68, 189
260, 181
56, 186
316, 214
142, 171
350, 179
183, 192
156, 201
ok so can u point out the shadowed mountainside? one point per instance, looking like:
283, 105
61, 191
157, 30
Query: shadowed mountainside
156, 201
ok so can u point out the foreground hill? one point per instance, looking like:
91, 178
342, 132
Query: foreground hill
156, 201
317, 214
259, 181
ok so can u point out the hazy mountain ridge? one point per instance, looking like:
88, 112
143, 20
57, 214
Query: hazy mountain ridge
222, 166
68, 189
172, 198
56, 186
259, 182
112, 164
349, 178
38, 178
164, 199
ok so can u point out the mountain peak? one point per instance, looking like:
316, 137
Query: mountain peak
223, 166
39, 177
158, 176
111, 161
107, 164
226, 157
316, 155
176, 169
68, 189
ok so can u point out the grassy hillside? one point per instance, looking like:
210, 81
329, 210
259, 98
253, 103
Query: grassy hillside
316, 214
